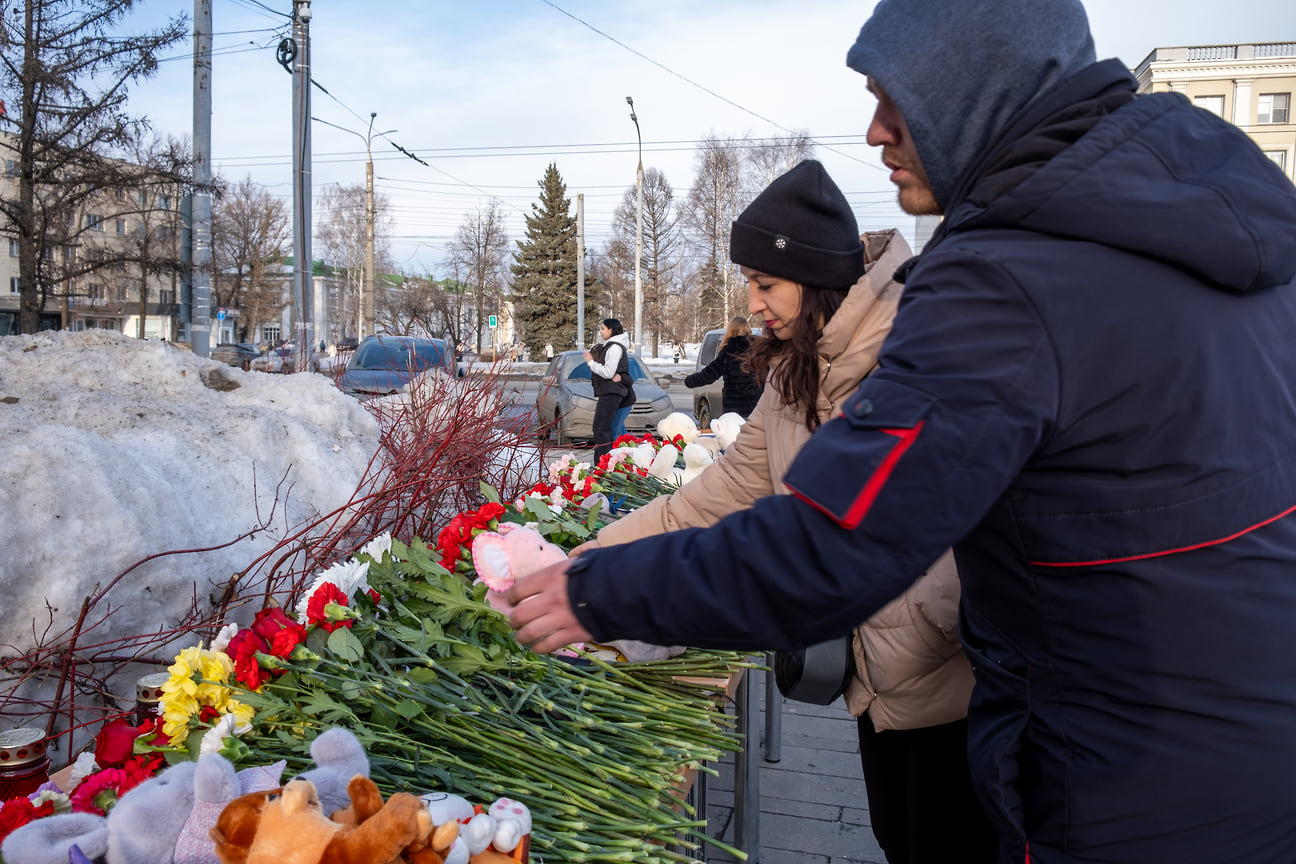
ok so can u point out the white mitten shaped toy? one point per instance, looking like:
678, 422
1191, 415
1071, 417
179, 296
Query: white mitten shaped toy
504, 556
663, 464
726, 428
696, 459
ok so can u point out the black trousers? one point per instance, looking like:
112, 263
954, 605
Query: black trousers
604, 413
921, 803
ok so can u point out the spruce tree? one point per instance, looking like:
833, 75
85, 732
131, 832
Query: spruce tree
544, 269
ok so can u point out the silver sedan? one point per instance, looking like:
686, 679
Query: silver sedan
565, 404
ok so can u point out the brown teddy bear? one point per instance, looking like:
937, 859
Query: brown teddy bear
290, 828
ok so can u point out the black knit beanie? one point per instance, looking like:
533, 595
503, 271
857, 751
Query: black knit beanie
800, 228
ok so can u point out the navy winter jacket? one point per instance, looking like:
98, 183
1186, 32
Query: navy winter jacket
1090, 393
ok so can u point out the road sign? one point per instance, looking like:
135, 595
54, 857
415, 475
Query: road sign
220, 314
491, 321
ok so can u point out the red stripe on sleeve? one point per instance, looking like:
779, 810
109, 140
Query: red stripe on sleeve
860, 506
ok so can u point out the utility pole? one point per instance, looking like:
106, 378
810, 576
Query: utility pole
580, 270
303, 265
200, 233
367, 300
639, 177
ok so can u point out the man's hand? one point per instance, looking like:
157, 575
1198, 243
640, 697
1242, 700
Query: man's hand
583, 548
542, 616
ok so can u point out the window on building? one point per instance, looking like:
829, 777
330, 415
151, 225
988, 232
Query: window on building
121, 226
164, 202
270, 334
11, 168
95, 291
94, 222
13, 247
1279, 158
14, 287
1213, 104
119, 193
1273, 108
166, 296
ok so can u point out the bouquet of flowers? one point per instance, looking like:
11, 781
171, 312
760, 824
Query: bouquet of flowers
398, 645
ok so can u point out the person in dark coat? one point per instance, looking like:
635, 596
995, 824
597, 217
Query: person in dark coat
1089, 392
741, 389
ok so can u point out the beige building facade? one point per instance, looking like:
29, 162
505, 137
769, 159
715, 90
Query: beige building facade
99, 280
1250, 85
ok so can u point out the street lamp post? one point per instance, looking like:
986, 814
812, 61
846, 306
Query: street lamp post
639, 176
366, 310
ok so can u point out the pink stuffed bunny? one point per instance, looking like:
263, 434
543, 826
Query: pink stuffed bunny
504, 557
516, 551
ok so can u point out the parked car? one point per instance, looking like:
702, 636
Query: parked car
240, 354
285, 359
565, 404
348, 343
708, 400
385, 364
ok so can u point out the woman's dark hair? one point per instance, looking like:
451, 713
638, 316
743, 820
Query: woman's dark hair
614, 325
797, 377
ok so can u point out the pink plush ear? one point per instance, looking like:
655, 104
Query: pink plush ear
490, 552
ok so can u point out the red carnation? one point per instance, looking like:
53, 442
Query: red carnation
17, 812
315, 614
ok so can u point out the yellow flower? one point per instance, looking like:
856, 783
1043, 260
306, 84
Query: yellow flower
197, 679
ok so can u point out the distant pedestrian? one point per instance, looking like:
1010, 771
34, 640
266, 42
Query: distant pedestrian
548, 351
741, 388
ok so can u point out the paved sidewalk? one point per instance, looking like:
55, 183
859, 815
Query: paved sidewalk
813, 808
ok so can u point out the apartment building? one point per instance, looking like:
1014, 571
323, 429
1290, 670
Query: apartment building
1250, 85
104, 267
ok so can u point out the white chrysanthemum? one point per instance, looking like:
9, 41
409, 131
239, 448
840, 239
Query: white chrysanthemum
223, 638
377, 546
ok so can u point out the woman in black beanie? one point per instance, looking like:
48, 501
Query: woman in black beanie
827, 299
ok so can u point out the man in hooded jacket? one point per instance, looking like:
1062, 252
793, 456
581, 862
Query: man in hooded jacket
1089, 392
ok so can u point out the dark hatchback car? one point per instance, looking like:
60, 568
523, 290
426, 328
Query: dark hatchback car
383, 365
240, 354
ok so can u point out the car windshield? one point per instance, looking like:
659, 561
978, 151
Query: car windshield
581, 371
396, 355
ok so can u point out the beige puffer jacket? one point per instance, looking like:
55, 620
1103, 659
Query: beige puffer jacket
910, 670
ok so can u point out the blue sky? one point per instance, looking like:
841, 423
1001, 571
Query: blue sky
488, 93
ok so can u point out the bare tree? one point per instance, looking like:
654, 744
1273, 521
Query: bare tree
769, 158
713, 203
341, 233
250, 237
478, 255
661, 243
70, 68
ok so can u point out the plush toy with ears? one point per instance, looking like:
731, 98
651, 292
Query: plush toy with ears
503, 557
292, 829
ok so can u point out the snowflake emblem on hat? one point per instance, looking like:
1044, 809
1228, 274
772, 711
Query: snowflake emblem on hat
780, 242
